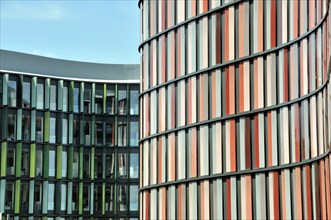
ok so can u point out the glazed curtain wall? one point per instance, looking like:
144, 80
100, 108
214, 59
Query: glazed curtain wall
235, 101
68, 149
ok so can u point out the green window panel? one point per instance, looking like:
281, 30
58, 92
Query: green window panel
103, 197
104, 98
31, 196
46, 161
80, 207
18, 159
60, 95
33, 125
34, 92
47, 93
71, 127
70, 162
81, 157
91, 197
93, 130
81, 103
71, 96
32, 160
19, 125
45, 198
5, 89
59, 162
93, 98
46, 127
92, 163
3, 159
17, 196
69, 198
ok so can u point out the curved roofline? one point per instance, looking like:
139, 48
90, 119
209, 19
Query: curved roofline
23, 63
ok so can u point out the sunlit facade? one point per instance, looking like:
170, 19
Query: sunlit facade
235, 109
69, 139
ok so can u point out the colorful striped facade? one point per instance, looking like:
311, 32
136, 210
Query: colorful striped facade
235, 109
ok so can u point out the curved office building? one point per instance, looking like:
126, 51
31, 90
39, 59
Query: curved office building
69, 139
236, 109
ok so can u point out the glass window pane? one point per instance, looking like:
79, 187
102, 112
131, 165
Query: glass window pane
52, 163
75, 165
75, 196
76, 98
87, 98
87, 131
110, 164
37, 196
39, 127
64, 162
26, 93
24, 197
110, 198
63, 197
76, 131
122, 100
40, 94
1, 82
122, 165
98, 198
86, 197
86, 163
51, 190
110, 99
122, 198
11, 160
122, 132
39, 161
65, 96
11, 127
110, 133
53, 95
134, 133
9, 203
25, 170
26, 127
134, 165
98, 133
98, 161
134, 198
65, 129
98, 99
134, 102
12, 92
52, 130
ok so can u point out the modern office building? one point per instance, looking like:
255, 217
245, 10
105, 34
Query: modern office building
69, 139
235, 109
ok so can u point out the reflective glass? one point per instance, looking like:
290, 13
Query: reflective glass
134, 198
122, 100
134, 102
134, 165
12, 92
11, 127
53, 96
26, 102
40, 94
134, 132
122, 198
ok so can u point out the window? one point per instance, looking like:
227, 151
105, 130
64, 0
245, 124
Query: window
110, 164
12, 91
24, 197
98, 198
75, 196
87, 98
122, 100
86, 163
122, 197
37, 197
110, 133
134, 102
53, 95
9, 203
65, 93
25, 170
11, 127
51, 192
121, 165
26, 127
1, 82
87, 131
75, 164
64, 162
39, 161
98, 99
63, 197
98, 161
98, 133
134, 133
134, 165
40, 94
76, 98
110, 99
52, 160
11, 160
134, 198
86, 197
110, 197
76, 131
65, 129
52, 130
39, 127
26, 102
122, 132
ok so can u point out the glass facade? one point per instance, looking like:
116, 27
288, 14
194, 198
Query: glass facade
65, 149
235, 109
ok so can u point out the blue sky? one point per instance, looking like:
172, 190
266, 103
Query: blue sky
94, 31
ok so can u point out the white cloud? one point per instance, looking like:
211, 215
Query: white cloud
32, 10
